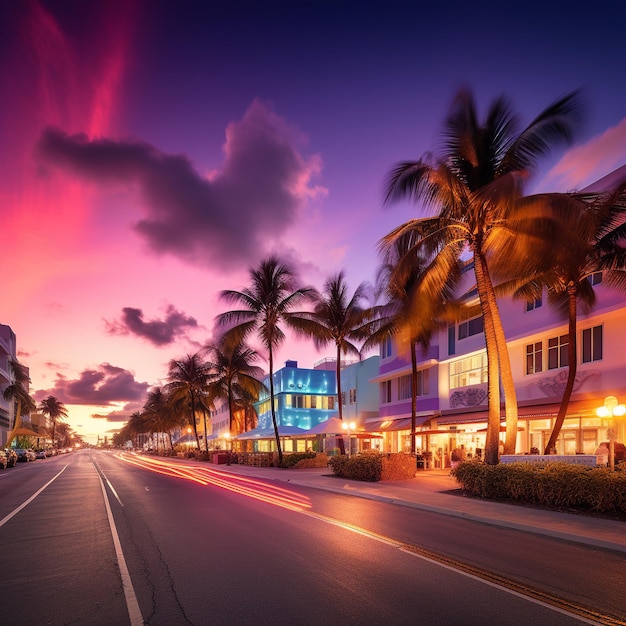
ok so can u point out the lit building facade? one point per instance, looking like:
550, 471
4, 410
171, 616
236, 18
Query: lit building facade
452, 379
302, 397
7, 354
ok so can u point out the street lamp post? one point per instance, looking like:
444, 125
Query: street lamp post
349, 427
611, 409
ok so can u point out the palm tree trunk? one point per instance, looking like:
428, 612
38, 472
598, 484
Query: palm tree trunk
278, 446
510, 394
342, 445
16, 425
193, 418
413, 393
492, 438
572, 367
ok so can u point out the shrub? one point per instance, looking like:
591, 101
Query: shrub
290, 460
398, 466
561, 485
365, 467
318, 460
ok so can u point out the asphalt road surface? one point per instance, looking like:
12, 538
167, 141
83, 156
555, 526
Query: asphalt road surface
96, 537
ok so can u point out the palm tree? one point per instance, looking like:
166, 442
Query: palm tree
337, 318
593, 228
158, 414
475, 185
55, 410
417, 303
17, 392
267, 302
188, 384
135, 426
233, 374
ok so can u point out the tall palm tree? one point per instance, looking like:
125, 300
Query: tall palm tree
135, 426
418, 302
159, 415
17, 391
188, 385
267, 303
55, 410
475, 185
233, 374
337, 318
592, 228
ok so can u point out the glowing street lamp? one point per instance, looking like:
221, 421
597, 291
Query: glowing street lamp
349, 427
611, 409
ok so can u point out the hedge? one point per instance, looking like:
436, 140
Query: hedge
560, 485
372, 467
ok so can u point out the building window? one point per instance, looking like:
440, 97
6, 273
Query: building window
592, 344
534, 358
595, 278
353, 396
451, 337
385, 349
343, 398
557, 352
470, 371
470, 327
404, 385
534, 304
385, 392
314, 402
331, 403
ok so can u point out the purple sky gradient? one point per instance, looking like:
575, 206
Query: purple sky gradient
154, 150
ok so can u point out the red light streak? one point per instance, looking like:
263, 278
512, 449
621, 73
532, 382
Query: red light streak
241, 485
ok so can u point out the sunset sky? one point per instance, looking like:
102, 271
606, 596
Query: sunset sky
152, 151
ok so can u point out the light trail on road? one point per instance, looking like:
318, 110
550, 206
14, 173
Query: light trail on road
237, 484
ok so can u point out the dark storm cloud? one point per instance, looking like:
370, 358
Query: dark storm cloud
103, 386
232, 215
157, 332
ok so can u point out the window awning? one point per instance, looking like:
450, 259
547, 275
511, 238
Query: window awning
389, 425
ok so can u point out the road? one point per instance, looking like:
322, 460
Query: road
97, 538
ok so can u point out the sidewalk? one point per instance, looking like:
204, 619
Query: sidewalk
427, 491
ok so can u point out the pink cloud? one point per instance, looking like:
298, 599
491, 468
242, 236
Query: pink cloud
586, 163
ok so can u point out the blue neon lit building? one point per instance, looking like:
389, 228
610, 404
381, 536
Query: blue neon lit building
302, 397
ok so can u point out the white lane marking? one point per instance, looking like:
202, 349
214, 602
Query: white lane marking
132, 605
502, 588
19, 508
108, 482
399, 545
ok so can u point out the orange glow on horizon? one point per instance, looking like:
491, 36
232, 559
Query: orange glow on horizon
241, 485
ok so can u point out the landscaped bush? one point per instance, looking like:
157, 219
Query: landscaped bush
398, 466
292, 459
561, 485
366, 467
318, 460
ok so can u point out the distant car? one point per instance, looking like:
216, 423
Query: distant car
40, 454
3, 459
25, 454
11, 457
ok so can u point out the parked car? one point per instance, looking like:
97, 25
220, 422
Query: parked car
11, 457
3, 459
25, 454
40, 454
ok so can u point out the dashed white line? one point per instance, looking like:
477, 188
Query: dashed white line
134, 613
19, 508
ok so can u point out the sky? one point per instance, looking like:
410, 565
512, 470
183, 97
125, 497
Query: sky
152, 151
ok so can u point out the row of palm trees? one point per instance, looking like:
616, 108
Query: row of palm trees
516, 244
17, 392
